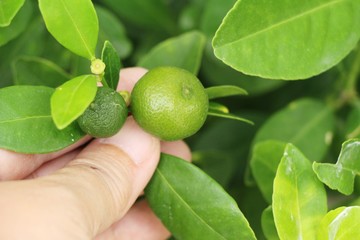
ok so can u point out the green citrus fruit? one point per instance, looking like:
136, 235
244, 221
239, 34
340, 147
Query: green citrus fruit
105, 115
170, 103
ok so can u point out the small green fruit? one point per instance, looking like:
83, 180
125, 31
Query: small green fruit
170, 103
106, 114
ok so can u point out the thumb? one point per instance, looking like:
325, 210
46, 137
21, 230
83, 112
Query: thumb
88, 195
109, 174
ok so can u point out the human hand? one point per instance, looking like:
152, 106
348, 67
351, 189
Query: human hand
85, 192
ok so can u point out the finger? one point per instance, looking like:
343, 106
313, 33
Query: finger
140, 222
88, 195
177, 148
129, 76
54, 165
15, 165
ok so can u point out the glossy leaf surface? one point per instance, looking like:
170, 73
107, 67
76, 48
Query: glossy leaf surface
299, 198
264, 162
194, 216
184, 51
307, 123
8, 10
38, 71
342, 223
26, 124
341, 176
284, 39
112, 61
224, 91
72, 98
73, 23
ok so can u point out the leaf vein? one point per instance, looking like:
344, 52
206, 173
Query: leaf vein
269, 28
187, 205
24, 119
77, 28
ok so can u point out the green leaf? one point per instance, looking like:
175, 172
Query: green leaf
184, 51
286, 40
299, 198
264, 162
216, 113
151, 15
8, 10
268, 224
341, 176
217, 73
18, 24
209, 214
112, 61
342, 223
72, 98
112, 30
307, 123
213, 15
73, 23
353, 123
25, 121
218, 107
38, 71
220, 165
224, 91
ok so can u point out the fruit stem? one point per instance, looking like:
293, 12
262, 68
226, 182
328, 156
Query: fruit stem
126, 96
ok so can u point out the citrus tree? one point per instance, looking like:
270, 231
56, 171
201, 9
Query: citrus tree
283, 159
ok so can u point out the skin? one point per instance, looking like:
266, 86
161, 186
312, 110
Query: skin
85, 192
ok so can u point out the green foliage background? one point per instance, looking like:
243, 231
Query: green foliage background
259, 44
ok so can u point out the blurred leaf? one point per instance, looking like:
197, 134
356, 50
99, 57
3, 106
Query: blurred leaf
213, 15
268, 224
31, 129
287, 40
25, 44
184, 51
73, 23
151, 14
72, 98
112, 61
299, 198
18, 24
190, 16
111, 29
215, 113
224, 91
218, 107
341, 176
264, 162
307, 123
353, 123
8, 10
220, 165
209, 214
341, 224
38, 71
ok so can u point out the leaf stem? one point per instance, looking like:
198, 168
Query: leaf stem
103, 82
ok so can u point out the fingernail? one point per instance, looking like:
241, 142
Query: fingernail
133, 141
